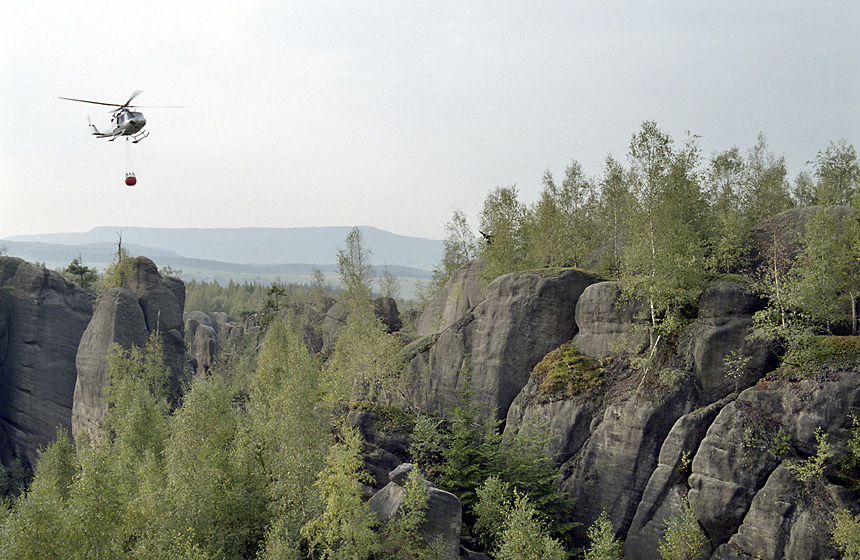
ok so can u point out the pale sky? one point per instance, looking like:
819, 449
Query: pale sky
392, 114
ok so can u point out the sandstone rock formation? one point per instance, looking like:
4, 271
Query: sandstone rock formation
495, 344
608, 324
126, 316
443, 516
42, 319
209, 335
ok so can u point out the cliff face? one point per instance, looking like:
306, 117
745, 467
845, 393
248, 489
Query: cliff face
644, 445
42, 318
126, 316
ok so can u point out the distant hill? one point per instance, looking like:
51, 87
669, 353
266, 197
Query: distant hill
258, 246
231, 253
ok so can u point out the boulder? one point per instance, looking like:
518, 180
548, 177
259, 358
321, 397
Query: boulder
149, 303
495, 345
443, 516
766, 425
608, 324
208, 335
42, 320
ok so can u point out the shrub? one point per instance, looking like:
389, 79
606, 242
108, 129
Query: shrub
565, 370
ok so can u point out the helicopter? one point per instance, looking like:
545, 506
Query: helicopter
124, 120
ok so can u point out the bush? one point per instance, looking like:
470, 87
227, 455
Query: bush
566, 371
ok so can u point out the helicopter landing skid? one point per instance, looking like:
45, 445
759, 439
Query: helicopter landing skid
139, 137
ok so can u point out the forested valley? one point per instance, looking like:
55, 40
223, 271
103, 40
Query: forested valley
259, 460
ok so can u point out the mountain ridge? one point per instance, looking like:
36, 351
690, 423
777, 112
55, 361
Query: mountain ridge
246, 246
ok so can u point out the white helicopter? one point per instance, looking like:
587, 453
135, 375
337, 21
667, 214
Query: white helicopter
125, 122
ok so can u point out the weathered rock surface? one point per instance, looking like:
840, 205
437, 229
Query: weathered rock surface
443, 516
461, 293
42, 320
208, 336
613, 467
521, 317
126, 316
719, 333
607, 323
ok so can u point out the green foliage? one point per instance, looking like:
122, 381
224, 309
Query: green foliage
604, 545
82, 275
367, 362
354, 268
684, 538
823, 282
664, 261
812, 468
837, 174
400, 538
524, 536
566, 371
502, 218
427, 446
460, 247
291, 431
120, 270
492, 511
846, 534
767, 188
214, 477
344, 529
471, 455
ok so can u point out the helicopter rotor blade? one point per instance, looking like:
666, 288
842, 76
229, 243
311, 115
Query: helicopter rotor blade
93, 102
131, 97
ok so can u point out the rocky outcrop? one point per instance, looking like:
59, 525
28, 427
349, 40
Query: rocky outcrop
720, 334
461, 293
209, 335
126, 316
442, 517
42, 320
493, 347
609, 324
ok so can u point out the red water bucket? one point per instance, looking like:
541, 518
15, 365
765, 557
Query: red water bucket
130, 180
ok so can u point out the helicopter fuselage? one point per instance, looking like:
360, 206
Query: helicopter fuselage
125, 123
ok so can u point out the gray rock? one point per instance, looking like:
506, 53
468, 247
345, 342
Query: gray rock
443, 516
740, 451
614, 466
566, 420
607, 324
126, 316
521, 318
461, 293
724, 321
42, 320
118, 319
208, 336
786, 519
664, 495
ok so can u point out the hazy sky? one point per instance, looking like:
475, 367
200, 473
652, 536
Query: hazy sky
392, 114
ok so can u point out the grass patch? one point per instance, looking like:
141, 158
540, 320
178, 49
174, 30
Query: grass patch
566, 371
